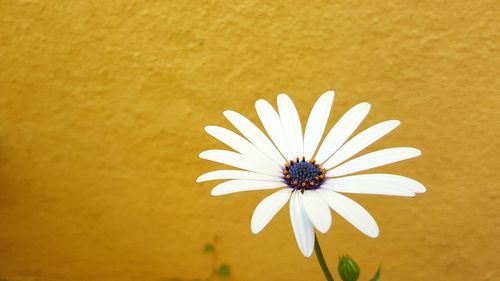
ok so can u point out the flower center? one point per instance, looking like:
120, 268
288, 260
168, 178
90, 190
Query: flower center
303, 175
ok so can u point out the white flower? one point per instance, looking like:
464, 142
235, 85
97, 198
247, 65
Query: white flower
311, 178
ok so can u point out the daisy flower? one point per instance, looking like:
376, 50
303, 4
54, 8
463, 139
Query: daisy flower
309, 175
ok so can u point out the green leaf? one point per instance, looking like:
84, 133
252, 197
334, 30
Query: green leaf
377, 275
224, 271
209, 248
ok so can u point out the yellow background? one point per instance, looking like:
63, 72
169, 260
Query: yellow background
103, 104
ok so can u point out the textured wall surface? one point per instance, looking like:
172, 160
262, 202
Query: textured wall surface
103, 104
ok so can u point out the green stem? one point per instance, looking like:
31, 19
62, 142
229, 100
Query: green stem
321, 260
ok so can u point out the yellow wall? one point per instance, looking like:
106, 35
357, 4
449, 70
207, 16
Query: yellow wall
102, 108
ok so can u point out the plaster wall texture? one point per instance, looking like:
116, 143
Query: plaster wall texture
103, 104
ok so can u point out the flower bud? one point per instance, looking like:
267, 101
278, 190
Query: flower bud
348, 269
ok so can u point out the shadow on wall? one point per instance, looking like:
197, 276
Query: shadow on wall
218, 270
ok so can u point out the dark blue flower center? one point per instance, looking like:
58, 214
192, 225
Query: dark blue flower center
304, 171
303, 175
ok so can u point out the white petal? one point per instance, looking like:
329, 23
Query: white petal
302, 227
233, 186
316, 123
291, 125
268, 208
341, 131
366, 185
374, 159
272, 123
239, 144
360, 141
239, 161
235, 174
351, 211
254, 135
317, 210
384, 184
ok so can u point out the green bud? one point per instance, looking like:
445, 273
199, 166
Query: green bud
348, 269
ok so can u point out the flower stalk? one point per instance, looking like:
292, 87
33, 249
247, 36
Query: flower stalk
321, 260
